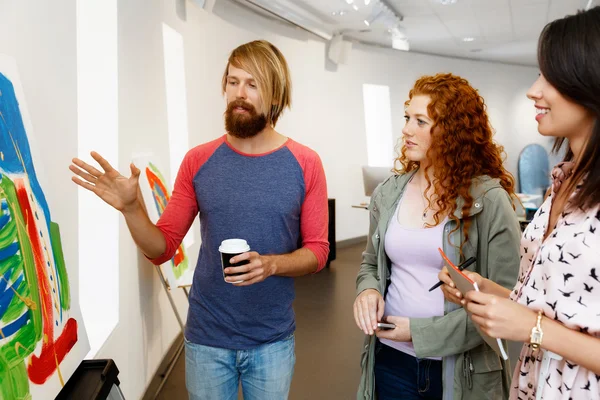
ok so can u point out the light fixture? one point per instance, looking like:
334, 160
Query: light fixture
349, 1
355, 7
468, 39
367, 2
446, 2
342, 12
399, 39
399, 43
367, 23
384, 15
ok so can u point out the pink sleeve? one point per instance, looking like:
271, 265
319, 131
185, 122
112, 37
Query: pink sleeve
314, 217
182, 207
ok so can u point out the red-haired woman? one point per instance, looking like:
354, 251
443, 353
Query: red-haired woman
451, 191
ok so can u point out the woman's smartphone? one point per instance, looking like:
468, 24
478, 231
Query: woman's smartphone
383, 325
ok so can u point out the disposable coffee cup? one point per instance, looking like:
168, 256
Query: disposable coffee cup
230, 248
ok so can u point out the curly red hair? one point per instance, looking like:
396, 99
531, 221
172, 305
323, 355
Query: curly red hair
462, 146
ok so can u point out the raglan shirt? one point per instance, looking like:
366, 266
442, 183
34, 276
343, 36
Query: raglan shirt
277, 202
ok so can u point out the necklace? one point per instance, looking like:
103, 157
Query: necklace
425, 207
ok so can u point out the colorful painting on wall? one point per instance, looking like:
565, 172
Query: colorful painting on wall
42, 337
156, 195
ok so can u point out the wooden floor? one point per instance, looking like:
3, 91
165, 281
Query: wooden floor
328, 343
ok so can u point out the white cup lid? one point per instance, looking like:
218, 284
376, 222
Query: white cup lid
233, 246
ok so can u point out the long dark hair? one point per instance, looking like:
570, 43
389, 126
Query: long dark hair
569, 59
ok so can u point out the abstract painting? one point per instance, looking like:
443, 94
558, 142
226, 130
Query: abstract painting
156, 196
42, 338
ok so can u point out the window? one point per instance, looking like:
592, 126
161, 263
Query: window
177, 118
378, 124
97, 113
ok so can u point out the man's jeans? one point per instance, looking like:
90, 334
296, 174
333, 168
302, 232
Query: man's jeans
213, 373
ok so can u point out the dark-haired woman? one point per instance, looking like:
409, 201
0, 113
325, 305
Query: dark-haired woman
555, 307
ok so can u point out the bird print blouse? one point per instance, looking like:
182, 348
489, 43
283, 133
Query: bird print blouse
560, 276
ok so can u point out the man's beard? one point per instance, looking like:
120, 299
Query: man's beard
243, 125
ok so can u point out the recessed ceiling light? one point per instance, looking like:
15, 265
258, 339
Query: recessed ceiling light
367, 2
342, 12
468, 39
349, 1
444, 2
355, 7
366, 22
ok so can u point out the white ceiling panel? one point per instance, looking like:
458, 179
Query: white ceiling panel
459, 29
503, 30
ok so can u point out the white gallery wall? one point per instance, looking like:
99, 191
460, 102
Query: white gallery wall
327, 115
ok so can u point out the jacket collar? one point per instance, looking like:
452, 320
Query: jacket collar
479, 187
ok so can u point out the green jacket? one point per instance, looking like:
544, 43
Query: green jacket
471, 369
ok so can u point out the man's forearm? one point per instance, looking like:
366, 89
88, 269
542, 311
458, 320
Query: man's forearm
298, 263
145, 234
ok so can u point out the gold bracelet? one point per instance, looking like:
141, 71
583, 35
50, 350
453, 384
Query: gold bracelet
536, 332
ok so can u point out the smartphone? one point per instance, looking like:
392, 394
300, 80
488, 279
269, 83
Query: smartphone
383, 325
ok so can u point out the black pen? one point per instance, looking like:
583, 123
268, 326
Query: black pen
460, 267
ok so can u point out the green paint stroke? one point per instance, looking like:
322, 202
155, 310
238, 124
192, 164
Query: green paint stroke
59, 260
14, 382
8, 233
7, 190
157, 173
178, 270
17, 307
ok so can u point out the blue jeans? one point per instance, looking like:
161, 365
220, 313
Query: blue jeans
213, 373
401, 376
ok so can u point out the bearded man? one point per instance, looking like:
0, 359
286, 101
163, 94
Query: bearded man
254, 184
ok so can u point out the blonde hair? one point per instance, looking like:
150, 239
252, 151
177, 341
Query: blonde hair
269, 68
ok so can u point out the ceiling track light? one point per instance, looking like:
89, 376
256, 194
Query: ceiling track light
384, 5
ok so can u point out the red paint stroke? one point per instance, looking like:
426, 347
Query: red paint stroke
53, 352
178, 258
155, 180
